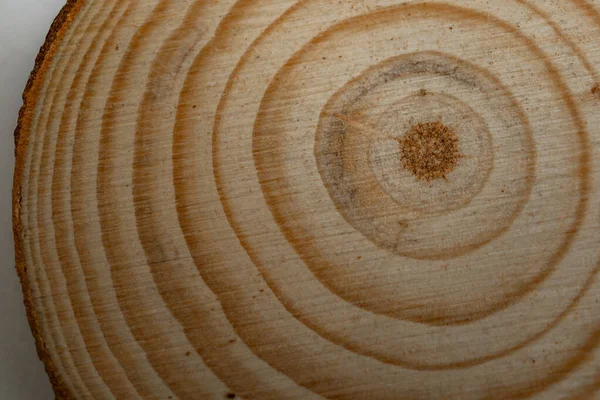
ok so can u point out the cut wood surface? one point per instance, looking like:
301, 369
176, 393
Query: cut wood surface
282, 199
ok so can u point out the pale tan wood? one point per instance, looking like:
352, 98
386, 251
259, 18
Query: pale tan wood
223, 199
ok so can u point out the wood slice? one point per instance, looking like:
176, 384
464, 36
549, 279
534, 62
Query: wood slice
282, 199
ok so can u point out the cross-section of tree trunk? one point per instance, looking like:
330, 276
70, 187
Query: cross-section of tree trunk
282, 199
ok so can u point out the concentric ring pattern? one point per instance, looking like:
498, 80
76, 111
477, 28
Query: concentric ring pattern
212, 200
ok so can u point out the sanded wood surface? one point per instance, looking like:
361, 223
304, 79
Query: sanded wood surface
282, 199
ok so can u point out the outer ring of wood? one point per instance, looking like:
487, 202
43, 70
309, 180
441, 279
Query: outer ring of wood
59, 27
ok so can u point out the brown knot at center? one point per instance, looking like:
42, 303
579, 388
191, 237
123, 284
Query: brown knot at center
430, 150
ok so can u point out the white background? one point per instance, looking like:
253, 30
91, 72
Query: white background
23, 27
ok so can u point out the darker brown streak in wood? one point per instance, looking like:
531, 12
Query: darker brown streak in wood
596, 90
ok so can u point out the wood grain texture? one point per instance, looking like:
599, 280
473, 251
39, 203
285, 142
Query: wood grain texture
213, 199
